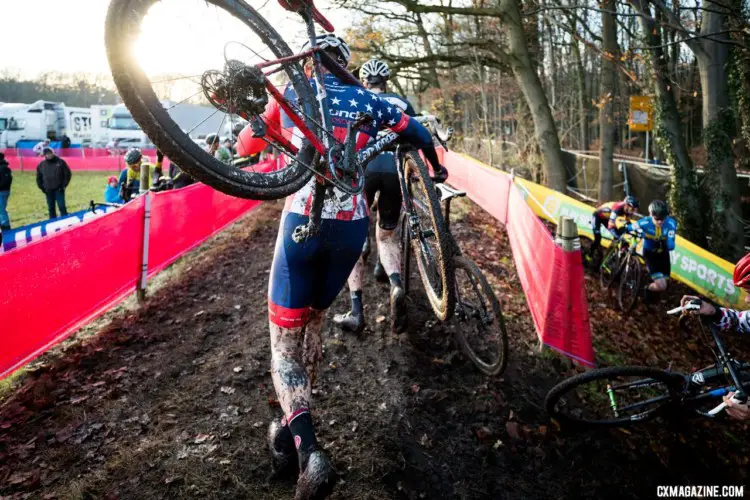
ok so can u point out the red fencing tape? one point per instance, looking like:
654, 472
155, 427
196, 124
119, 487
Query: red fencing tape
552, 278
57, 284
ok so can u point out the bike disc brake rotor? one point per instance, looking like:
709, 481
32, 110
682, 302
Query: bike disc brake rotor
239, 89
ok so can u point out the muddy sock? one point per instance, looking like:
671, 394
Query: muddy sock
395, 280
356, 303
302, 429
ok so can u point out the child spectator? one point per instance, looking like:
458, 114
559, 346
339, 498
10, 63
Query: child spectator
112, 191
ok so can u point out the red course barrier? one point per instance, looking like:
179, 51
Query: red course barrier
552, 278
78, 159
57, 284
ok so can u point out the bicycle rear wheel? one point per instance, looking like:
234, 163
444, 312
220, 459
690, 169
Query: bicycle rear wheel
610, 267
478, 319
630, 284
614, 396
125, 20
429, 236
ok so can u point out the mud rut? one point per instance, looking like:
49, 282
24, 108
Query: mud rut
173, 401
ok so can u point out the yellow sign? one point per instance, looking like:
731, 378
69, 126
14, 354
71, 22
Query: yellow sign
641, 117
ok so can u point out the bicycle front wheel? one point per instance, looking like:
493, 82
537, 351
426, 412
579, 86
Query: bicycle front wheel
130, 20
429, 236
615, 396
630, 284
478, 319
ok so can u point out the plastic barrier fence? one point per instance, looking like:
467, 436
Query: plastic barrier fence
552, 279
53, 286
77, 159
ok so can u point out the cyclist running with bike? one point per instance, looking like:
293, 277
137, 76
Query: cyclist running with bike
730, 320
381, 177
307, 276
613, 215
658, 231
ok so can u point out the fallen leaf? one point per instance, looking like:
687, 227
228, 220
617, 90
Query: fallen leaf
237, 369
199, 313
380, 319
513, 429
201, 438
415, 388
227, 390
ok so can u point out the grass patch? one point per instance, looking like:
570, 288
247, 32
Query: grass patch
27, 203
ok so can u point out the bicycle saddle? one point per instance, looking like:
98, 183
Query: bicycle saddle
302, 5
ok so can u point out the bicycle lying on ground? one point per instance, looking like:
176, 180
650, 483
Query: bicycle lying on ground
623, 261
479, 323
619, 396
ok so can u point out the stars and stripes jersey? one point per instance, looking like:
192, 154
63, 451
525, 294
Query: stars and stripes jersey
386, 161
730, 319
345, 102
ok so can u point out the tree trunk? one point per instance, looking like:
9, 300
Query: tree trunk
583, 101
524, 70
607, 126
727, 234
684, 195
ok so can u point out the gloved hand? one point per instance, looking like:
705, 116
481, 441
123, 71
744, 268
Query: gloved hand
441, 175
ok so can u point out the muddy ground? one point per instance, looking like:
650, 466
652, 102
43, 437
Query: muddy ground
173, 400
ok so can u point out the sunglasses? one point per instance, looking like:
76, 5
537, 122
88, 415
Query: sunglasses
658, 219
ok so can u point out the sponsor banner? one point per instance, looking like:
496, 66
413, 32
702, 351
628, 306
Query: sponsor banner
702, 271
22, 236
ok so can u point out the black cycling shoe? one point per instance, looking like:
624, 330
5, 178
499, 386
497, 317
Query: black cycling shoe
283, 452
379, 273
398, 309
349, 322
440, 176
317, 479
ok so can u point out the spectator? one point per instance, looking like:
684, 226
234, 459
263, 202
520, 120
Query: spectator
228, 145
52, 177
112, 191
181, 179
64, 140
113, 147
130, 178
6, 179
39, 148
219, 152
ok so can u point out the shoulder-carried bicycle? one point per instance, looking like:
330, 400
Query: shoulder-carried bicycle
242, 87
624, 395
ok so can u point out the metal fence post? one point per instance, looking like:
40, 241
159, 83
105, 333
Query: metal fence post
566, 236
141, 290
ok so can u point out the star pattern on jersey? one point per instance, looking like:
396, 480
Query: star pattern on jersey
335, 101
360, 92
392, 122
368, 107
380, 114
389, 110
353, 103
374, 97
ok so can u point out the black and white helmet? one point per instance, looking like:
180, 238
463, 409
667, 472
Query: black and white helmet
332, 43
374, 69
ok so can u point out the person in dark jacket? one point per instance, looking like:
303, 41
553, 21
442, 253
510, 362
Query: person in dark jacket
6, 179
52, 177
180, 178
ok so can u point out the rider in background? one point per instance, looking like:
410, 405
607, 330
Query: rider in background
730, 320
608, 214
130, 177
307, 276
659, 231
218, 151
382, 177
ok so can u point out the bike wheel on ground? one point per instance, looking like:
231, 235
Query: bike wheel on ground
478, 319
609, 267
128, 20
428, 236
405, 251
630, 284
615, 396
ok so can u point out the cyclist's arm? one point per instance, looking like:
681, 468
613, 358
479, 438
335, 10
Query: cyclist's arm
730, 319
416, 134
671, 236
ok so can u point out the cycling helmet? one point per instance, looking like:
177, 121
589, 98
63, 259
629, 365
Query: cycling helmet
374, 70
658, 209
133, 156
211, 139
632, 201
332, 43
742, 272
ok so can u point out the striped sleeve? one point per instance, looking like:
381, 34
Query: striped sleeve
734, 320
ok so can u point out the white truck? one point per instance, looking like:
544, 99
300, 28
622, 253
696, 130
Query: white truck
115, 124
43, 120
